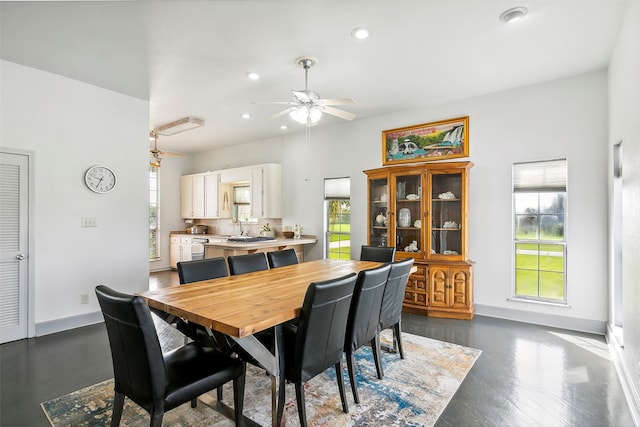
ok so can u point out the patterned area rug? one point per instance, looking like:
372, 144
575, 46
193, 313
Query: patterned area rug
413, 392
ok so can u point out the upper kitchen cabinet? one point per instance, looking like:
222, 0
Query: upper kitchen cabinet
211, 194
201, 196
266, 191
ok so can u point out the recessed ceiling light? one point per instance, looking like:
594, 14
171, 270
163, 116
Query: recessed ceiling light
253, 76
246, 116
360, 33
284, 127
513, 14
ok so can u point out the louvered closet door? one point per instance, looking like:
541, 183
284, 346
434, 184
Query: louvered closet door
14, 185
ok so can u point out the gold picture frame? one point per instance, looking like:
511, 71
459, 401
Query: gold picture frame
444, 139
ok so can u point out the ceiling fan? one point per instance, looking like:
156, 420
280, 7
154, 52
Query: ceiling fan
157, 155
307, 107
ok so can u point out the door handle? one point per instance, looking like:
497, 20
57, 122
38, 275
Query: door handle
20, 256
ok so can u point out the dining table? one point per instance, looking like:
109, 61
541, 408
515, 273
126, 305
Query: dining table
242, 305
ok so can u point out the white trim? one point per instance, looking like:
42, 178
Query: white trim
67, 323
626, 380
554, 321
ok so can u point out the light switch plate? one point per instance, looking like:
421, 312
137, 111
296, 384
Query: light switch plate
89, 221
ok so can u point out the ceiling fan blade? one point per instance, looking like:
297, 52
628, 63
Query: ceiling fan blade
275, 102
339, 113
283, 112
169, 153
336, 101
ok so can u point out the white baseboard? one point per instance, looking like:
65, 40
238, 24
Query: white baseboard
59, 325
555, 321
630, 392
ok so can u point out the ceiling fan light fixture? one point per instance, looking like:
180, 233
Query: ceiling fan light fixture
305, 114
154, 162
513, 14
178, 126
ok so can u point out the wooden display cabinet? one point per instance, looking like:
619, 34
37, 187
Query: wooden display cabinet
422, 210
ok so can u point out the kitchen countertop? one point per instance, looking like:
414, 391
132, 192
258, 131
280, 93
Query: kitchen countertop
222, 243
280, 241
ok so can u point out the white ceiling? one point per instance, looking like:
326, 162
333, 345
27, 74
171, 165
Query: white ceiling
190, 58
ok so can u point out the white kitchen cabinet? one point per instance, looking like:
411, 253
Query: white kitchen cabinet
179, 250
266, 191
192, 202
201, 196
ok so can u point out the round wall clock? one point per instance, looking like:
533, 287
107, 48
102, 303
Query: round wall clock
100, 179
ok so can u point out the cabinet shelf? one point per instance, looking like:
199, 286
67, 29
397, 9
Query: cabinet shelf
445, 229
435, 199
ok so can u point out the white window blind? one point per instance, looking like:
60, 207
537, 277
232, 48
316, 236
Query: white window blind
550, 175
337, 188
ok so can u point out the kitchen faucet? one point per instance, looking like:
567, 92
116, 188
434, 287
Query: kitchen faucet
240, 223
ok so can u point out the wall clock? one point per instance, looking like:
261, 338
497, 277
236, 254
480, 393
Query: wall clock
100, 179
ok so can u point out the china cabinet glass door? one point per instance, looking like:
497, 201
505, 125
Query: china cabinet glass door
378, 211
408, 213
446, 215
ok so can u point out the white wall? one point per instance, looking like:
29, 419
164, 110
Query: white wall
624, 111
560, 119
70, 126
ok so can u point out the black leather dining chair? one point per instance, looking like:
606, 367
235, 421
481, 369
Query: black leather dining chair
364, 317
202, 269
281, 258
160, 382
316, 342
241, 264
377, 253
391, 308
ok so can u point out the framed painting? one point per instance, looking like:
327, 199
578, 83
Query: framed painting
445, 139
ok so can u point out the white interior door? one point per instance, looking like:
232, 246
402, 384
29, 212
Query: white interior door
14, 251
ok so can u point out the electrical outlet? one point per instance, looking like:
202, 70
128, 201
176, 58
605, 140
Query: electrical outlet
84, 298
89, 221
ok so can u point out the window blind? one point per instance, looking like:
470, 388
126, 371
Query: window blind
337, 188
549, 175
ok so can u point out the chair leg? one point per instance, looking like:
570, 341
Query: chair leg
398, 337
375, 349
219, 393
352, 376
156, 422
302, 413
194, 402
238, 397
281, 396
340, 378
118, 404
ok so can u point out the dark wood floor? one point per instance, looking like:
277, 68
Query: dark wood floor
527, 375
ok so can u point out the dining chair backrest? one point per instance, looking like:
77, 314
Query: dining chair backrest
241, 264
322, 325
281, 258
202, 269
316, 342
135, 348
364, 316
377, 253
391, 308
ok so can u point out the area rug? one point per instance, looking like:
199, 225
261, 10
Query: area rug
413, 392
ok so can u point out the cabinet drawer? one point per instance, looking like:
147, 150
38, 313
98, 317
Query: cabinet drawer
186, 240
415, 298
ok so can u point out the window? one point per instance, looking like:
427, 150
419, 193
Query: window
154, 211
337, 205
539, 205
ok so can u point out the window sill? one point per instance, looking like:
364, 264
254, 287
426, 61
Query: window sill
555, 304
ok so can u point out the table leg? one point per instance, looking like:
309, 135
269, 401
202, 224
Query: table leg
272, 362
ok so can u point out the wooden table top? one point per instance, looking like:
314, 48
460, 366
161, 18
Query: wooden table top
242, 305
